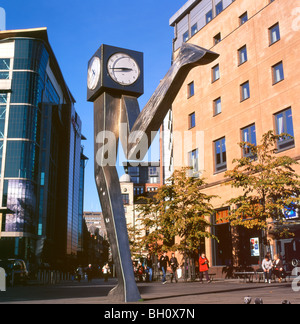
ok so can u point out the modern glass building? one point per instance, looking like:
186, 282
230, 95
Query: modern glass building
40, 152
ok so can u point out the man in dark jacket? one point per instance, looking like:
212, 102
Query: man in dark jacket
174, 266
164, 260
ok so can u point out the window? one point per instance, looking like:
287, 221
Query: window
242, 54
219, 7
22, 160
135, 179
243, 18
191, 89
2, 121
133, 171
284, 124
215, 73
192, 120
220, 155
194, 160
153, 171
4, 75
217, 106
194, 29
209, 16
3, 98
217, 39
185, 37
249, 136
277, 71
24, 122
125, 199
4, 64
1, 156
274, 33
245, 91
138, 191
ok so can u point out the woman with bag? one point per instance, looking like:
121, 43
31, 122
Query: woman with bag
203, 268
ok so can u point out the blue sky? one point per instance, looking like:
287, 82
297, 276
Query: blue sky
76, 29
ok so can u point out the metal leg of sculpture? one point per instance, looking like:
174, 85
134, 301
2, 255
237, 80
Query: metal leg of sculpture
107, 114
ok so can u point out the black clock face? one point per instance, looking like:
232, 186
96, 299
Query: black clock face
121, 72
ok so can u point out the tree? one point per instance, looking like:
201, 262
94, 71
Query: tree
135, 240
179, 209
186, 210
269, 183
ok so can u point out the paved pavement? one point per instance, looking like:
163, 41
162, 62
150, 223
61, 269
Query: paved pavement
184, 293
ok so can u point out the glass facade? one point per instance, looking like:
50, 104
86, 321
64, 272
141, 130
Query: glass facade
21, 197
74, 185
41, 168
23, 133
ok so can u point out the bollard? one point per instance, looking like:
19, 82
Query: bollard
2, 280
13, 278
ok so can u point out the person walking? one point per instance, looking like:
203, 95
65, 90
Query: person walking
140, 271
278, 268
149, 268
267, 266
89, 272
79, 273
106, 271
174, 266
164, 260
203, 268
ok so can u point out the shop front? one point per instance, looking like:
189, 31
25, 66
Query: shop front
237, 246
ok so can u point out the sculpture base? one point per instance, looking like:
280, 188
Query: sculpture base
117, 294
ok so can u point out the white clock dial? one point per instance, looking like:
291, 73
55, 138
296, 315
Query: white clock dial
94, 73
123, 69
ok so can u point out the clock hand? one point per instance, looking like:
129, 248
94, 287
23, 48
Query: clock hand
121, 68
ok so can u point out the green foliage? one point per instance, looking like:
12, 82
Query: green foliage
270, 185
179, 209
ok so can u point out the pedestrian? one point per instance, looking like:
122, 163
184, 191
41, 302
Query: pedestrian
174, 266
278, 268
89, 271
149, 268
203, 268
267, 266
140, 271
79, 273
164, 260
106, 271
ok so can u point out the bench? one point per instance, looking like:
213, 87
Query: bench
258, 275
246, 275
210, 275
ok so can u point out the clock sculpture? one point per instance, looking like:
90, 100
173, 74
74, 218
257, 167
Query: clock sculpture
115, 81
